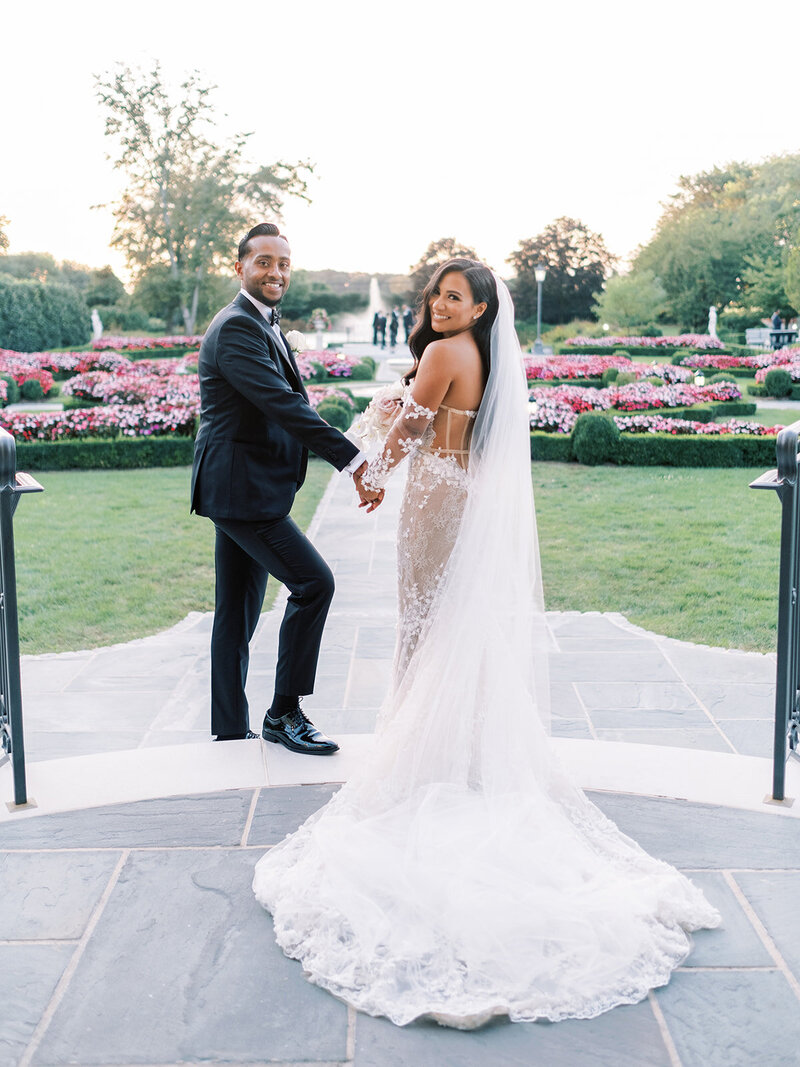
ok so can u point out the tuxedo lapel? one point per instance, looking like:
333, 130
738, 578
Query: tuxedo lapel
281, 352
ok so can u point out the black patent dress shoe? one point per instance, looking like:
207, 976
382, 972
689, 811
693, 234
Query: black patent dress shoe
297, 733
249, 736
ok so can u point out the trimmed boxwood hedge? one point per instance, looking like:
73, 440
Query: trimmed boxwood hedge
123, 453
759, 390
708, 412
668, 450
556, 447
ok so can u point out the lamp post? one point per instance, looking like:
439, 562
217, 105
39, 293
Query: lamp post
539, 273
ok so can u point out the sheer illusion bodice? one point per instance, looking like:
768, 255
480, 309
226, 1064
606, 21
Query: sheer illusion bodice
452, 430
459, 873
433, 503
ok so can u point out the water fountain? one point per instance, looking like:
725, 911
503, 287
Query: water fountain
356, 326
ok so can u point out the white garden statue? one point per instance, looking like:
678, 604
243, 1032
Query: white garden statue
97, 325
712, 321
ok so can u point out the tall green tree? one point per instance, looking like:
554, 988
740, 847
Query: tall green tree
189, 197
724, 238
577, 262
631, 299
435, 254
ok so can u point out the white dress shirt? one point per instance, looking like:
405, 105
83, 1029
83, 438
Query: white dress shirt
266, 312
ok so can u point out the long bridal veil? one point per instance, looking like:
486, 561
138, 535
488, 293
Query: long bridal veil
460, 874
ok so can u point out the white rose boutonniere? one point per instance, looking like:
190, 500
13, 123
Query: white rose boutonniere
297, 341
375, 423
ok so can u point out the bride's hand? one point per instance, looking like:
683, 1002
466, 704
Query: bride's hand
376, 502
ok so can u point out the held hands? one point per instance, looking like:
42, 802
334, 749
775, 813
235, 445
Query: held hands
369, 498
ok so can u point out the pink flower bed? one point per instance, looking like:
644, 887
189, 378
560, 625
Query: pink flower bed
558, 407
549, 368
699, 360
790, 362
318, 393
337, 364
135, 387
682, 340
144, 344
130, 420
60, 362
659, 424
639, 396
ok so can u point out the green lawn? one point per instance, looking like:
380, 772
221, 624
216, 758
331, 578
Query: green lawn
106, 556
771, 416
684, 552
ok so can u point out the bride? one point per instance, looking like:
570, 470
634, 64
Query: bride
460, 874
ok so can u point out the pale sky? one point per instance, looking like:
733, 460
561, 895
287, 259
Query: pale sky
425, 119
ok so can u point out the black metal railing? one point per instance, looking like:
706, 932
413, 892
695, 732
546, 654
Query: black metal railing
12, 485
785, 480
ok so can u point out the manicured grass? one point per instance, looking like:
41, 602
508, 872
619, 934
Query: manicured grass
773, 416
107, 556
103, 557
688, 553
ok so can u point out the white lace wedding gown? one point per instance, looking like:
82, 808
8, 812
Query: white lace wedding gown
460, 874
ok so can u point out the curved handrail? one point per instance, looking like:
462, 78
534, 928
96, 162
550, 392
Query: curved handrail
786, 451
8, 459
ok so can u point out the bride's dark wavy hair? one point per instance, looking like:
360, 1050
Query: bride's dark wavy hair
484, 290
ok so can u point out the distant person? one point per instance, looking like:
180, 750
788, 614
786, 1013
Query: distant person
777, 327
394, 326
376, 325
382, 328
408, 322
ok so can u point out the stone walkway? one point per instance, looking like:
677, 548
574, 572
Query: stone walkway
128, 932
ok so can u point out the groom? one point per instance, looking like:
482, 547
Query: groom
250, 457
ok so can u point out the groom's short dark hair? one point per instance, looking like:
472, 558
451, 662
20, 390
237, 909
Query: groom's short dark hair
264, 229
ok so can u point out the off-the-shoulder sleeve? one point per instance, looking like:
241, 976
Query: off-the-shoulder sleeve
403, 438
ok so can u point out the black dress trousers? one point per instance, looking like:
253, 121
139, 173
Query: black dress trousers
246, 553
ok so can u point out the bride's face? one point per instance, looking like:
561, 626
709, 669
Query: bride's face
452, 306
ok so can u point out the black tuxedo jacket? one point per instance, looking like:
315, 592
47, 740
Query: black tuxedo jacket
256, 425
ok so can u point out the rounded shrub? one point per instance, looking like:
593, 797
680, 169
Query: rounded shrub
363, 372
31, 389
12, 389
625, 377
678, 358
609, 375
778, 382
721, 376
651, 330
622, 352
336, 413
595, 438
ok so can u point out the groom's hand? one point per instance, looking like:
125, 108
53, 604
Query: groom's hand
369, 498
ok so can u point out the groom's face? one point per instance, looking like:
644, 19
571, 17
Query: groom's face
265, 269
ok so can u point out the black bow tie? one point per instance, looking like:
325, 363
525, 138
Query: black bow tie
275, 316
